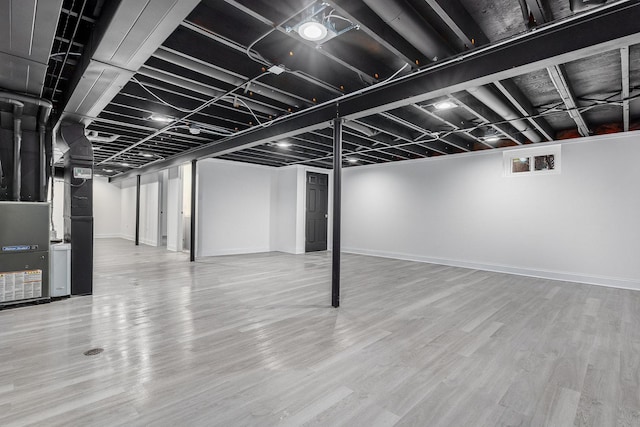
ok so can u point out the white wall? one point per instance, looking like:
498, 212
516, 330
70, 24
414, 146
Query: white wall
284, 210
106, 208
150, 194
128, 209
245, 208
174, 208
57, 206
234, 208
578, 225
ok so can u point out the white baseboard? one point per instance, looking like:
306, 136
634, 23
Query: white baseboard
612, 282
108, 236
235, 251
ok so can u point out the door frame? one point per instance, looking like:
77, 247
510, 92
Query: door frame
305, 180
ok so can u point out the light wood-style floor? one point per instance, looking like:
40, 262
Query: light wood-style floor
252, 340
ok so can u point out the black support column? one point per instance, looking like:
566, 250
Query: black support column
192, 240
137, 210
78, 205
337, 201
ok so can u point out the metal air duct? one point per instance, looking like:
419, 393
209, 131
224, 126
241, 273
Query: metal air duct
491, 100
406, 22
45, 107
17, 147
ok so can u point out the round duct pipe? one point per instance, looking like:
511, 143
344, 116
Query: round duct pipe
406, 22
491, 100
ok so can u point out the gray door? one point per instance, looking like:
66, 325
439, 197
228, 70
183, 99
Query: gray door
317, 201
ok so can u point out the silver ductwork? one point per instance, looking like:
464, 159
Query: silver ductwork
17, 148
405, 21
491, 100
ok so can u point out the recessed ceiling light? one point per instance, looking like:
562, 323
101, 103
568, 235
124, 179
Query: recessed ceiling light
444, 105
492, 139
161, 119
312, 31
125, 164
283, 144
108, 170
352, 160
146, 154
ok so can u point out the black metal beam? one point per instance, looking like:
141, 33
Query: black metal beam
557, 43
337, 206
137, 210
192, 239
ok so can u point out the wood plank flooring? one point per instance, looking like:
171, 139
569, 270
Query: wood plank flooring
252, 340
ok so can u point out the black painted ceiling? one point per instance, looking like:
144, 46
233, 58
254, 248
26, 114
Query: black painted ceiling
223, 51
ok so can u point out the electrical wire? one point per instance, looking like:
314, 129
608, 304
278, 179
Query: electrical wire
143, 86
184, 118
396, 73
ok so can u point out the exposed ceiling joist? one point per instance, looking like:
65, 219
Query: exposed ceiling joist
559, 79
571, 39
456, 17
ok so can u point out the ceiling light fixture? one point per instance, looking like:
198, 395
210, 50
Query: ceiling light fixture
312, 30
125, 164
146, 154
492, 139
161, 119
108, 170
444, 105
283, 144
352, 160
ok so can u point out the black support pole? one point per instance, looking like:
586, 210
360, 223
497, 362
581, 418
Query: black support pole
192, 240
137, 210
337, 200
